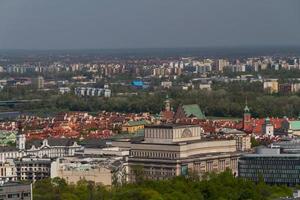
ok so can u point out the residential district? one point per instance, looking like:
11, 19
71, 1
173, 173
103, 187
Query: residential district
113, 148
108, 147
66, 74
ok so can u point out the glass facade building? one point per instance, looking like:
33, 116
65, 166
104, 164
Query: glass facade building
272, 168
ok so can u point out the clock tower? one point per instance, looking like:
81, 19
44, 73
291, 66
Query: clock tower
246, 118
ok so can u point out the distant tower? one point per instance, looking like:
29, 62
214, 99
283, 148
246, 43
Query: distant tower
20, 139
247, 117
167, 104
268, 127
38, 82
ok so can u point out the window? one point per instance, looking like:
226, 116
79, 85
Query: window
10, 196
26, 194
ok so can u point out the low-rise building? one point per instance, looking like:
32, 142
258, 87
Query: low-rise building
271, 86
107, 170
15, 191
205, 86
51, 148
8, 171
134, 126
166, 84
64, 90
89, 91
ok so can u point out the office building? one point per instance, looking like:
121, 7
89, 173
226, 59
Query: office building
271, 166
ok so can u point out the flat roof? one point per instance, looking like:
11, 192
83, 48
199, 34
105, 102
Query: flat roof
8, 184
271, 155
170, 126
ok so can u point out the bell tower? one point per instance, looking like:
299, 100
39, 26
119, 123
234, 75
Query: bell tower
20, 139
167, 104
247, 117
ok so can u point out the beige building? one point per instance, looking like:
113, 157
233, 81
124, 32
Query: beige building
74, 172
106, 170
243, 142
173, 150
271, 85
38, 82
8, 171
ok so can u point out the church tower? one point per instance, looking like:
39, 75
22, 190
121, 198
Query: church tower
20, 139
246, 118
167, 104
268, 128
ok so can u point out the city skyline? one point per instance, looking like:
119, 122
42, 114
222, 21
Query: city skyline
147, 24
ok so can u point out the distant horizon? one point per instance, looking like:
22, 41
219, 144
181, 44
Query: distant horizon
156, 48
212, 51
132, 24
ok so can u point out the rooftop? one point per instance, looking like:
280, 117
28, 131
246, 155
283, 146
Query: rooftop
193, 110
170, 126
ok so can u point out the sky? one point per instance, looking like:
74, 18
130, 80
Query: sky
110, 24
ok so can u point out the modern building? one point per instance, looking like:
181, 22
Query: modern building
89, 91
271, 166
138, 83
32, 168
171, 150
38, 82
289, 146
16, 191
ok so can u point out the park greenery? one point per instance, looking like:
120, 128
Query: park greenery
222, 186
225, 100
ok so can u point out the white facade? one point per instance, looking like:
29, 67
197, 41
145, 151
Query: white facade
89, 91
171, 134
44, 148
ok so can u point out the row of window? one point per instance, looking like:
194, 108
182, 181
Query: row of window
152, 154
15, 195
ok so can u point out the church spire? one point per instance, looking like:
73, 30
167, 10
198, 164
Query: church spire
246, 109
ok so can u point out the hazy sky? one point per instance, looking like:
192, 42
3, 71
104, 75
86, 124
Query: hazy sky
75, 24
